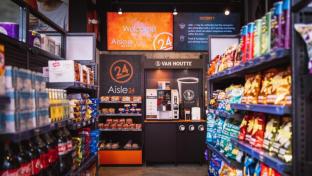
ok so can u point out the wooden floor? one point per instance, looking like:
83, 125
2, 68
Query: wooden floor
157, 170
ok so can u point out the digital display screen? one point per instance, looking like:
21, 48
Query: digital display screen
139, 31
192, 30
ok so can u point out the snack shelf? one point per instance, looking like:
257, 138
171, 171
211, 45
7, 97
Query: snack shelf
78, 125
121, 115
121, 102
270, 109
71, 86
275, 57
221, 113
26, 134
85, 165
227, 160
263, 156
4, 100
122, 130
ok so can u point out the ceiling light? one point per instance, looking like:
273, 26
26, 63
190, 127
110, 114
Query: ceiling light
226, 12
119, 11
175, 12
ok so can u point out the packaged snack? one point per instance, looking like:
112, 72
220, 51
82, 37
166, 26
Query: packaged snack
267, 85
267, 171
214, 166
277, 33
257, 38
257, 134
210, 127
271, 129
243, 127
105, 98
250, 41
218, 128
244, 38
125, 98
252, 88
282, 145
249, 166
137, 98
266, 33
115, 98
281, 88
287, 24
250, 126
257, 169
305, 30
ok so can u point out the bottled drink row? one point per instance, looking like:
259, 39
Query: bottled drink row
54, 153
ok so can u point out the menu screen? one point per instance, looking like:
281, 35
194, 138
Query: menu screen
139, 31
192, 30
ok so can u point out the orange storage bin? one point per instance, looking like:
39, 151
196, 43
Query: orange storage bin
111, 157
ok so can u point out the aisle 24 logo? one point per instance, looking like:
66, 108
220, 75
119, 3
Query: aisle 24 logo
121, 72
163, 41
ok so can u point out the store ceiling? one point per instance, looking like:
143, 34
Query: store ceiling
168, 5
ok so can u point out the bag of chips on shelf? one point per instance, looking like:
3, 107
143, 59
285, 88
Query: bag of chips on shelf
252, 88
213, 65
231, 131
257, 134
214, 165
210, 127
249, 166
218, 130
243, 127
257, 169
271, 129
267, 171
281, 88
267, 85
228, 171
251, 122
282, 143
305, 30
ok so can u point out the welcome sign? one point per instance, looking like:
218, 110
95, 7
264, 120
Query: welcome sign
139, 31
120, 75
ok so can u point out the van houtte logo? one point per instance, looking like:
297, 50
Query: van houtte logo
121, 71
157, 63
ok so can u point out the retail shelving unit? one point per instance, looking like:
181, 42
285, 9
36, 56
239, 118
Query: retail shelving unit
278, 57
121, 156
19, 53
301, 93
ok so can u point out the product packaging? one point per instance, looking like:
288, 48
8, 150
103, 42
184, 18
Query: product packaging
252, 88
281, 88
250, 42
34, 39
286, 23
2, 70
10, 29
267, 85
282, 145
257, 134
257, 38
249, 166
305, 30
244, 39
243, 127
266, 33
277, 32
63, 71
271, 129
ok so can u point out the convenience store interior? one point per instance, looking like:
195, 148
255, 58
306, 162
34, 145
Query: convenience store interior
155, 88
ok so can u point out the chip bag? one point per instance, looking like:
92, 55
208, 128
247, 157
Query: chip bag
257, 134
271, 129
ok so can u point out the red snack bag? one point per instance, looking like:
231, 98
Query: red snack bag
250, 125
258, 130
243, 127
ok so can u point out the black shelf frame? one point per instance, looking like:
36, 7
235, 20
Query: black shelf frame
301, 93
27, 134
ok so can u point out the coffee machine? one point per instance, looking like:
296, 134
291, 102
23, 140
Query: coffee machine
162, 103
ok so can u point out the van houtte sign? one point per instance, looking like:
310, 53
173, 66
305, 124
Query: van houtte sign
174, 63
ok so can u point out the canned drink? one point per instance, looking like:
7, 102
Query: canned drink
277, 33
266, 33
250, 42
244, 33
286, 23
257, 40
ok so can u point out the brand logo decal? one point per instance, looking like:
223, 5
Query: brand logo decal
121, 71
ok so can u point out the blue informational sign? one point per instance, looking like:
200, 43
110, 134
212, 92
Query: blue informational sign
192, 30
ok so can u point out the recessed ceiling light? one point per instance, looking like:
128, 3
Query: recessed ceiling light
226, 12
175, 12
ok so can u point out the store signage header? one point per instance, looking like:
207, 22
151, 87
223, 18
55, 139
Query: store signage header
174, 63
